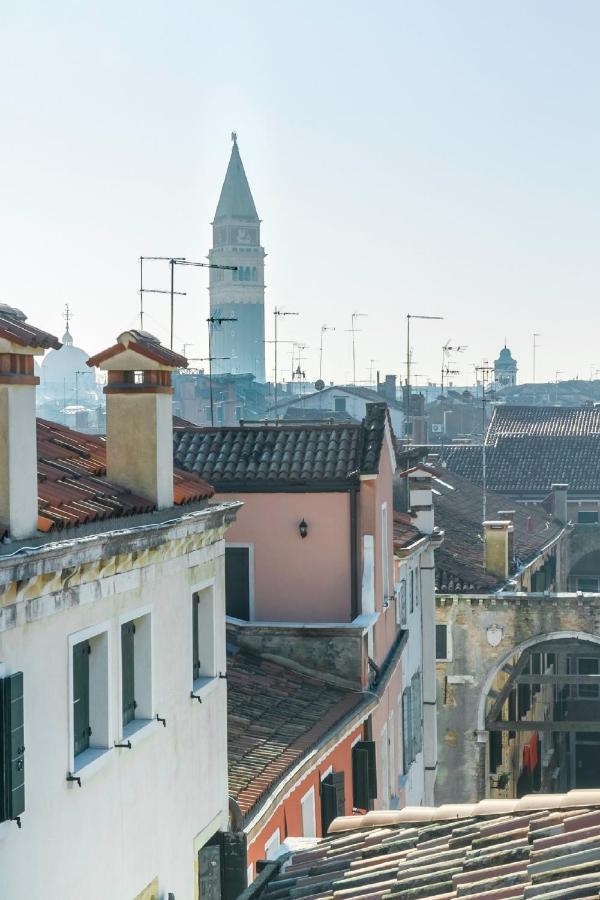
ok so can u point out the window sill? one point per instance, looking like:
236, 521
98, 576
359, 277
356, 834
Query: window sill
203, 687
138, 730
91, 761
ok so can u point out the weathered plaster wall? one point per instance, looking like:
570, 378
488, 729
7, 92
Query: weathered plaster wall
461, 756
141, 814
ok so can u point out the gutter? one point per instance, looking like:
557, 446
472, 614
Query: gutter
354, 717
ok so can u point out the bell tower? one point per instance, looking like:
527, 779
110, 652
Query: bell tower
239, 294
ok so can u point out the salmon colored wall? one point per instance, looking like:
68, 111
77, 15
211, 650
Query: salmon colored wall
297, 579
288, 815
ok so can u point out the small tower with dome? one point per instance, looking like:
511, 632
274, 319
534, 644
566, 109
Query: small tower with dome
65, 375
505, 369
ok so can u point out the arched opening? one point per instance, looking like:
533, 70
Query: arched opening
539, 716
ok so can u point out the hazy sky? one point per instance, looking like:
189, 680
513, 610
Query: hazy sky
423, 157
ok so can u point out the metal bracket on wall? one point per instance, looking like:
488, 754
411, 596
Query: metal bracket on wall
195, 697
163, 722
126, 745
71, 777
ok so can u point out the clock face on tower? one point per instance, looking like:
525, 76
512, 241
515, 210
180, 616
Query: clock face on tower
244, 236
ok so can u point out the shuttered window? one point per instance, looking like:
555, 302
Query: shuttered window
81, 697
195, 637
128, 672
364, 774
407, 743
333, 799
441, 641
417, 723
12, 747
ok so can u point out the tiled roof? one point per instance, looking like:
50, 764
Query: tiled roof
14, 327
492, 850
405, 532
306, 414
531, 465
458, 507
364, 393
283, 455
145, 344
72, 485
274, 717
543, 421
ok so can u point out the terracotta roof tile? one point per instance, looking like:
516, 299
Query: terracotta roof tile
415, 860
274, 716
14, 327
282, 455
72, 485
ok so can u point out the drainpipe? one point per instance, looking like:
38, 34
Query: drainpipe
354, 557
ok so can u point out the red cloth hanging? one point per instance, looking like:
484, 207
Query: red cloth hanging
531, 753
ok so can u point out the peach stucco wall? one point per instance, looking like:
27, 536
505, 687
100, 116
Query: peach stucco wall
296, 579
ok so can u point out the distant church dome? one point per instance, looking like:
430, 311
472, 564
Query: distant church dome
59, 368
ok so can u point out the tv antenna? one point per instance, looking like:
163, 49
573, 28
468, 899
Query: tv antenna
277, 313
353, 330
447, 350
324, 328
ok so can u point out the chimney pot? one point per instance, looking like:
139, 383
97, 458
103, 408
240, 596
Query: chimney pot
496, 546
560, 503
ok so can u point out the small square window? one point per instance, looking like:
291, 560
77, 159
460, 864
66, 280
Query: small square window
138, 377
339, 404
441, 642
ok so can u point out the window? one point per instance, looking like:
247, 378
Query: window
238, 581
392, 737
364, 774
407, 722
588, 666
339, 404
136, 674
138, 377
272, 845
203, 636
441, 642
307, 807
12, 747
385, 787
587, 517
411, 590
587, 583
385, 559
89, 696
333, 799
417, 721
401, 601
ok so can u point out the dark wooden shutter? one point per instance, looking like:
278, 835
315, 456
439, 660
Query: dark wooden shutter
234, 867
406, 729
81, 697
195, 637
328, 803
127, 672
441, 642
237, 582
13, 750
339, 783
364, 774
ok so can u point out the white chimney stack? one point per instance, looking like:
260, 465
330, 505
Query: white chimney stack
19, 344
139, 414
420, 499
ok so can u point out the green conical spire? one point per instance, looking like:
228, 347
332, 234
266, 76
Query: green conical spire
236, 200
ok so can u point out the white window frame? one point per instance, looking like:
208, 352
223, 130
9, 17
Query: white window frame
392, 754
273, 842
95, 757
328, 771
385, 554
205, 683
309, 797
250, 547
449, 656
133, 730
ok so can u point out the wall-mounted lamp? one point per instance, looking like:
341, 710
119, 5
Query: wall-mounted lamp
303, 528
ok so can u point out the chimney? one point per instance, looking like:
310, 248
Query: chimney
559, 503
420, 500
19, 343
509, 516
139, 413
496, 537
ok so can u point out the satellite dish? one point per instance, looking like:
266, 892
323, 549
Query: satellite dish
319, 384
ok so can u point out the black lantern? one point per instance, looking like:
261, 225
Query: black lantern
303, 528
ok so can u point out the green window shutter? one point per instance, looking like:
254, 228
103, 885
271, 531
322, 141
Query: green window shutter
406, 729
13, 749
328, 803
234, 871
364, 773
127, 672
339, 783
81, 697
195, 641
417, 726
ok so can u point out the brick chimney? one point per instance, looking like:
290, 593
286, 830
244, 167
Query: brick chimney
420, 499
19, 343
559, 503
496, 537
139, 413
